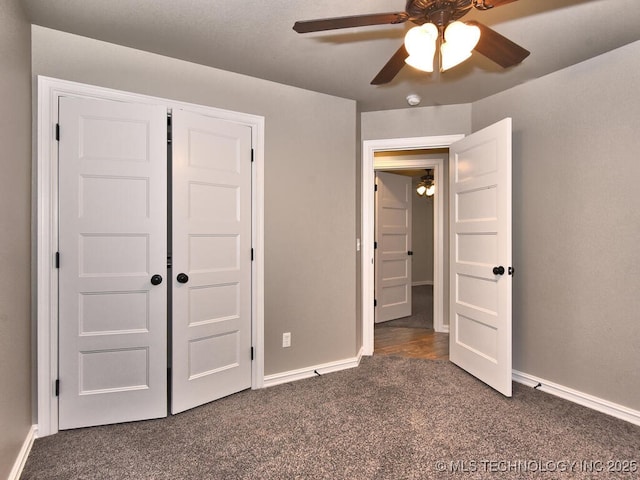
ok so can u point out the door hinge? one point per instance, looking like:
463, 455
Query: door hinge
252, 155
511, 271
375, 302
169, 129
375, 245
375, 187
409, 253
251, 353
252, 254
57, 387
57, 259
57, 131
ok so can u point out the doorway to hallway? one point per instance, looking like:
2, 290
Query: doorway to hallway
407, 232
479, 246
372, 160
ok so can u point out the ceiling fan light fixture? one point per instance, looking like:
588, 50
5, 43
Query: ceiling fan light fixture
420, 43
460, 40
450, 56
426, 187
424, 63
463, 36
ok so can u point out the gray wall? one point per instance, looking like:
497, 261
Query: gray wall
310, 184
416, 122
576, 168
15, 233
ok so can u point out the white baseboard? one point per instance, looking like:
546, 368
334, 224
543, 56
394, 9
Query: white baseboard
422, 282
18, 465
293, 375
581, 398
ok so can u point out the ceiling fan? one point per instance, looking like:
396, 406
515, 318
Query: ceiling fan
433, 17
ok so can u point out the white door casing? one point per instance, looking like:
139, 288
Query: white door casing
393, 237
369, 164
112, 240
480, 239
211, 327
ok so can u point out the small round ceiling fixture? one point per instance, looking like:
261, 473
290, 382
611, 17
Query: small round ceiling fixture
414, 99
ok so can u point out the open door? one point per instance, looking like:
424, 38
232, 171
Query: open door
480, 255
393, 252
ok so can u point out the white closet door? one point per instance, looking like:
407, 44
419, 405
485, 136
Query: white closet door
211, 328
112, 240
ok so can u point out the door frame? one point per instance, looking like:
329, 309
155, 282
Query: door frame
45, 243
369, 165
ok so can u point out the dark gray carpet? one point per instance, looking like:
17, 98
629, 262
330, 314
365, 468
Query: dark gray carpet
421, 310
390, 418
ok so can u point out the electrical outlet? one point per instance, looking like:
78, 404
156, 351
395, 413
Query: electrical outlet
286, 339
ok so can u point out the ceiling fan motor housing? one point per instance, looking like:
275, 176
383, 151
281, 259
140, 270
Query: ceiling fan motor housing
438, 12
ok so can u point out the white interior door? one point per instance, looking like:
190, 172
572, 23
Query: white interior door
480, 255
393, 252
211, 328
112, 240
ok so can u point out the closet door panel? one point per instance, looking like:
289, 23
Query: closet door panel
112, 240
211, 326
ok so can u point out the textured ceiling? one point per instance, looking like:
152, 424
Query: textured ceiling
254, 37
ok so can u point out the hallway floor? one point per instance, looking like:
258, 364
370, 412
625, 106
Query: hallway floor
411, 342
413, 336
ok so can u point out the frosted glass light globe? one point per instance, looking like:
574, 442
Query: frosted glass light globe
420, 43
460, 40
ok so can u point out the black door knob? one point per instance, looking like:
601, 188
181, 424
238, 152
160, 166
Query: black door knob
182, 278
498, 270
156, 280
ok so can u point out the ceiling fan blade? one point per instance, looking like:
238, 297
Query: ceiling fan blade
498, 48
487, 4
499, 3
336, 23
392, 68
